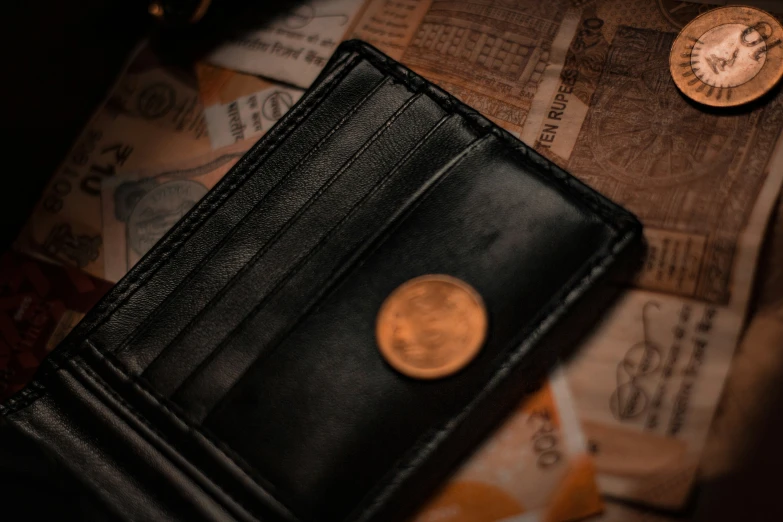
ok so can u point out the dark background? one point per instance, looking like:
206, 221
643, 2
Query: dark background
59, 58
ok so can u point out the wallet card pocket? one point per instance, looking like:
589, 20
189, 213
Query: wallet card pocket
273, 210
133, 305
276, 263
271, 320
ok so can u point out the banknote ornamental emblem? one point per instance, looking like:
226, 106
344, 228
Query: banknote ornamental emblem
431, 326
728, 56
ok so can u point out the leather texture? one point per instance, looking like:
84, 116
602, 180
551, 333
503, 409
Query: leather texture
233, 374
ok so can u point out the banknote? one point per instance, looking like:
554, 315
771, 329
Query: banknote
152, 115
139, 208
738, 433
295, 46
535, 467
489, 53
648, 381
390, 25
39, 304
240, 106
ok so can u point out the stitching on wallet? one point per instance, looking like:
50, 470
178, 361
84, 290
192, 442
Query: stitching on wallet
148, 322
98, 381
190, 223
313, 251
242, 467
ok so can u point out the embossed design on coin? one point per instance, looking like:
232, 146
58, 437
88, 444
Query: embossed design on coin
728, 56
158, 210
720, 61
431, 326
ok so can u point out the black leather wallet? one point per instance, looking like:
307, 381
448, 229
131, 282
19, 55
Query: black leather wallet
233, 374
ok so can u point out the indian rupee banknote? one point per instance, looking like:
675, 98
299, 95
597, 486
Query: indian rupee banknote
743, 442
648, 381
153, 114
239, 106
534, 468
489, 53
294, 47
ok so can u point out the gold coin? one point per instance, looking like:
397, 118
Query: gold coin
728, 56
431, 326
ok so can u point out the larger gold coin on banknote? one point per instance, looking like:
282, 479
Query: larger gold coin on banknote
728, 56
431, 326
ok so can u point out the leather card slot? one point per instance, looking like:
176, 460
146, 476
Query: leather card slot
270, 214
276, 153
266, 324
79, 393
329, 436
196, 452
302, 235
